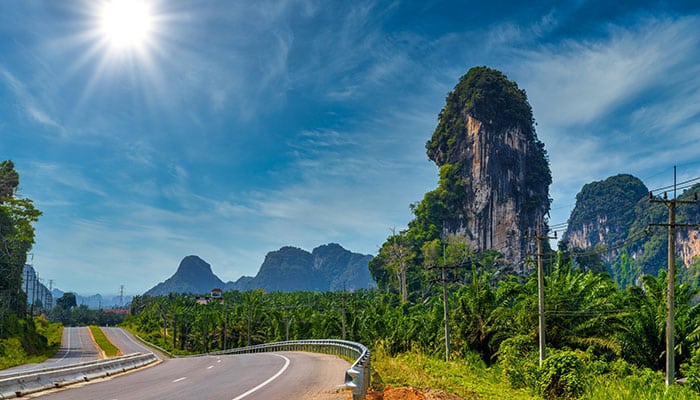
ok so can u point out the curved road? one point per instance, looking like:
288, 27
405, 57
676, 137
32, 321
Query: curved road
76, 347
284, 375
125, 342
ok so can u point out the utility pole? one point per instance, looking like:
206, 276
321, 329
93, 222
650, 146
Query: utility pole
671, 276
443, 280
540, 293
121, 296
446, 307
50, 296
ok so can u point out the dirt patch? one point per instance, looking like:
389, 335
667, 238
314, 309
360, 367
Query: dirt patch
410, 393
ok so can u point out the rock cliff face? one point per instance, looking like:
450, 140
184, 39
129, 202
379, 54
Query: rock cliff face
604, 212
614, 217
486, 130
688, 245
327, 268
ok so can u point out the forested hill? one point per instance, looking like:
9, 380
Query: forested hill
611, 220
327, 268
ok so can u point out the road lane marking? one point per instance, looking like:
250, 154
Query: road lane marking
179, 379
210, 367
275, 376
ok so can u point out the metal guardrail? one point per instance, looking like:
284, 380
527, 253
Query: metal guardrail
21, 384
357, 377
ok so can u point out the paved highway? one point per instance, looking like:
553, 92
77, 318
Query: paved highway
125, 342
284, 375
76, 347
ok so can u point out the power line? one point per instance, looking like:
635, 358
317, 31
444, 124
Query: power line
671, 275
676, 185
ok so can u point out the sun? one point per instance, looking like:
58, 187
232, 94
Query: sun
126, 23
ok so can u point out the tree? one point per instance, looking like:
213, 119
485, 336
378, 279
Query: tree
16, 240
400, 256
67, 301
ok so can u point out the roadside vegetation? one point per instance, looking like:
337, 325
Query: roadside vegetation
31, 342
602, 341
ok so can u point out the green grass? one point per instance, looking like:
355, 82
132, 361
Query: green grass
103, 343
467, 379
646, 385
471, 379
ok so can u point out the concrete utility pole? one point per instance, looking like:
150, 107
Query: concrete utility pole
540, 293
446, 306
445, 302
671, 276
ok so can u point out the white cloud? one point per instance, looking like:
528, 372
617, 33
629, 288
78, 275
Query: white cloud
27, 101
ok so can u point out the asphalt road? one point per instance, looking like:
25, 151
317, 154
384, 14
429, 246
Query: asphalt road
284, 375
125, 341
76, 347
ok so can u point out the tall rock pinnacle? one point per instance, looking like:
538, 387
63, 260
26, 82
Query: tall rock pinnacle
486, 137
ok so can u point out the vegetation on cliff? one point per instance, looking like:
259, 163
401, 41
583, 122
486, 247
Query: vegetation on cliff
457, 214
486, 95
609, 203
612, 220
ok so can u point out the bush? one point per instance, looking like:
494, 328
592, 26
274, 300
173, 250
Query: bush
691, 371
518, 361
563, 376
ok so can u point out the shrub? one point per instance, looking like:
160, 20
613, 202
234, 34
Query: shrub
692, 371
563, 376
518, 361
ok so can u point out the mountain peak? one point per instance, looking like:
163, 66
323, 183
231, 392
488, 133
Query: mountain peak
193, 275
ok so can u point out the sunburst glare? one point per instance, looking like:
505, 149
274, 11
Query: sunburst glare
126, 23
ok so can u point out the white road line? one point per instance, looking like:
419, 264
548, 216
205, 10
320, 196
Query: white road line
275, 376
68, 348
179, 379
210, 367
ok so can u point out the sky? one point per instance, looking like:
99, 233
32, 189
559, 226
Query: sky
228, 129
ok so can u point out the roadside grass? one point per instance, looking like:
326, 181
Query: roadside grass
469, 379
643, 384
103, 343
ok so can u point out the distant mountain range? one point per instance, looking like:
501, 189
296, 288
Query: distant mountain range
327, 268
96, 301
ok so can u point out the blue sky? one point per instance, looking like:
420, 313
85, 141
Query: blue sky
239, 127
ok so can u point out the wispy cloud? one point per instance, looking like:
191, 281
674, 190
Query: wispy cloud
27, 102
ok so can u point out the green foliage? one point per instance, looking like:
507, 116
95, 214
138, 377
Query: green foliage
109, 349
487, 95
16, 239
30, 342
82, 316
468, 378
519, 361
612, 200
562, 376
67, 301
